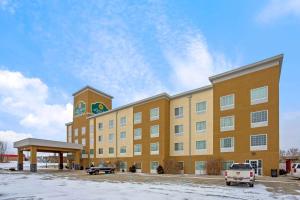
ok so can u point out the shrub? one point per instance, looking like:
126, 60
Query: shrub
282, 172
132, 169
160, 169
172, 167
213, 166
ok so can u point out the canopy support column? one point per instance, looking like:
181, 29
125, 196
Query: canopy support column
20, 160
33, 160
61, 161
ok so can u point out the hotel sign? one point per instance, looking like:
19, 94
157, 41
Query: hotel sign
98, 108
80, 108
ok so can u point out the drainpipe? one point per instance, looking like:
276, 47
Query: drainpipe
190, 133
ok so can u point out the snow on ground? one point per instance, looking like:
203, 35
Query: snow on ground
47, 186
26, 165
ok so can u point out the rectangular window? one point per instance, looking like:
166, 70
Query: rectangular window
227, 102
154, 114
111, 150
201, 107
154, 148
123, 150
258, 142
91, 151
200, 165
259, 95
227, 164
91, 129
259, 119
111, 137
83, 151
100, 138
123, 121
201, 127
100, 151
201, 145
137, 118
178, 147
137, 149
76, 141
83, 142
83, 130
111, 124
137, 133
227, 144
76, 132
227, 123
179, 112
123, 166
123, 135
178, 129
100, 126
153, 166
154, 131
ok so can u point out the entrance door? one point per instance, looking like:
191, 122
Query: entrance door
257, 165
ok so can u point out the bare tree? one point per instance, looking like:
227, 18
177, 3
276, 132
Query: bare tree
3, 149
282, 153
293, 152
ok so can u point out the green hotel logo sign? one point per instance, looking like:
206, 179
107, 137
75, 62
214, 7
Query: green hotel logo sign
98, 108
80, 108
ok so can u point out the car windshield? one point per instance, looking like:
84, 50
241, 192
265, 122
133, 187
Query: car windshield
240, 166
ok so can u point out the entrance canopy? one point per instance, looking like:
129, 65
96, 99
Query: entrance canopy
38, 145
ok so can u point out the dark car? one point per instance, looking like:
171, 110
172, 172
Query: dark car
107, 169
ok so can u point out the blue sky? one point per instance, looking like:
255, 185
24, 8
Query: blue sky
135, 49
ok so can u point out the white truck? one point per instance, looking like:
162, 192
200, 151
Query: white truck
295, 172
240, 173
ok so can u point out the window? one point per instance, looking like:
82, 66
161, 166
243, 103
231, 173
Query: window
137, 149
153, 166
201, 145
123, 166
201, 107
227, 102
111, 137
100, 138
76, 132
258, 142
259, 118
83, 142
259, 95
92, 129
201, 127
227, 144
154, 114
123, 121
100, 151
137, 133
227, 164
100, 126
83, 151
91, 151
123, 135
76, 141
178, 147
200, 167
154, 131
137, 118
123, 150
178, 129
110, 124
154, 148
179, 112
227, 123
111, 150
83, 130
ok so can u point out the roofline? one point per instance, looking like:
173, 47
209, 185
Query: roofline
92, 89
161, 95
259, 65
201, 89
69, 123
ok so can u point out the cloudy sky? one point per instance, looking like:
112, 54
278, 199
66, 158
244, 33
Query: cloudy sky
50, 49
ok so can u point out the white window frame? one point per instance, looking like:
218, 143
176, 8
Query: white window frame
261, 100
76, 132
99, 151
110, 152
123, 121
179, 150
91, 129
102, 138
227, 149
83, 141
227, 107
111, 139
134, 135
137, 153
203, 130
153, 135
200, 171
76, 141
201, 111
155, 117
123, 147
259, 124
139, 120
83, 130
179, 133
100, 126
227, 128
180, 114
258, 147
111, 124
154, 152
153, 171
201, 150
121, 133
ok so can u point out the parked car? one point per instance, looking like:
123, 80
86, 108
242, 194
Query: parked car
107, 169
240, 173
295, 172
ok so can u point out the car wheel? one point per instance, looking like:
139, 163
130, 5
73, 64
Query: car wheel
228, 183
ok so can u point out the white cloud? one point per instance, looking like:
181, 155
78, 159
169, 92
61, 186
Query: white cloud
10, 137
26, 99
276, 9
289, 130
8, 5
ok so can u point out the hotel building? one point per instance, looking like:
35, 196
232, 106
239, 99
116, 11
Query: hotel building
234, 119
